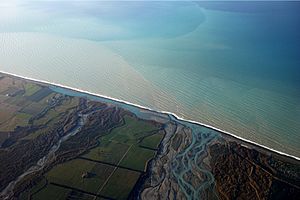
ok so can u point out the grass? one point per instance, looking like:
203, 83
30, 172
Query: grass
36, 133
42, 190
70, 174
36, 107
152, 141
120, 184
107, 151
40, 94
137, 158
20, 119
13, 90
54, 113
33, 108
114, 149
51, 192
18, 100
76, 195
53, 116
111, 149
35, 189
6, 112
50, 115
39, 186
131, 132
31, 88
114, 145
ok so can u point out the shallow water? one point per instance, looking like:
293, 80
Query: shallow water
234, 66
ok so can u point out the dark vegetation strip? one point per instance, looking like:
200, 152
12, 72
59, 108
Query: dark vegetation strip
149, 133
149, 148
40, 189
113, 165
139, 185
40, 94
79, 190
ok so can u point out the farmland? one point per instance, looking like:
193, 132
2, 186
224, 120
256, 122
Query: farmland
120, 184
18, 97
103, 158
122, 145
67, 174
56, 144
109, 170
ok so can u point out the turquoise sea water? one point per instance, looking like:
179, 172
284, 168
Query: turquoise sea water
233, 65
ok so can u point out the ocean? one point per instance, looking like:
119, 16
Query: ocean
231, 65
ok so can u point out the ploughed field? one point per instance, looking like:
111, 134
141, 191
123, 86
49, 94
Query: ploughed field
56, 146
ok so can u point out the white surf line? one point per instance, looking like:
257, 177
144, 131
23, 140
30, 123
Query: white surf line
152, 110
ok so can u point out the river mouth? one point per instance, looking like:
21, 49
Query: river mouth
183, 163
138, 109
187, 160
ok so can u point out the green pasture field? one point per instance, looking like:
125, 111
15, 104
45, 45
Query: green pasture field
36, 107
49, 116
132, 131
38, 187
40, 94
108, 151
7, 112
54, 113
51, 192
122, 145
152, 141
33, 108
70, 174
42, 190
120, 184
31, 88
18, 100
113, 146
19, 119
137, 158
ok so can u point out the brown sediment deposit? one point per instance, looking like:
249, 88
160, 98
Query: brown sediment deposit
245, 171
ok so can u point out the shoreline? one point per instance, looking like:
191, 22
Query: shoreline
152, 110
